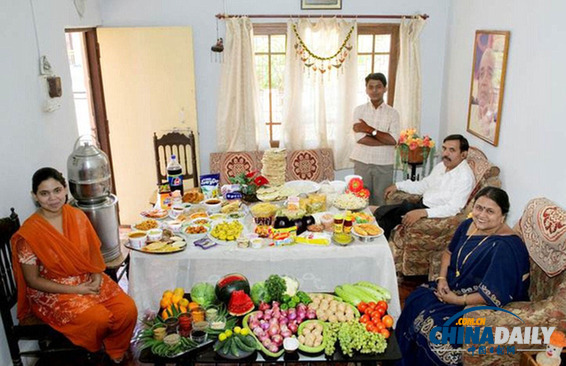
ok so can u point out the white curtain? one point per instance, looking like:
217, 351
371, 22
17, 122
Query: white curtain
237, 125
318, 106
408, 82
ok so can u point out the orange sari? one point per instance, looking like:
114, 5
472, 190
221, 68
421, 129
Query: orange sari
70, 258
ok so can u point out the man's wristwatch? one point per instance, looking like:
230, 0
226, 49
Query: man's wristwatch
374, 133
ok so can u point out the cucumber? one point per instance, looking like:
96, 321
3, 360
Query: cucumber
348, 297
385, 292
226, 346
249, 341
234, 348
241, 345
374, 294
357, 293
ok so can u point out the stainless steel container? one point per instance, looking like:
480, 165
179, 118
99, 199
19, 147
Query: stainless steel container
104, 217
88, 172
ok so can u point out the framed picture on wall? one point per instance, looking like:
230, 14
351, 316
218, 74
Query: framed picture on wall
488, 81
321, 4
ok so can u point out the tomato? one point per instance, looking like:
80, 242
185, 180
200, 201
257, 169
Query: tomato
387, 321
364, 319
370, 327
379, 326
375, 315
371, 305
382, 304
362, 307
385, 333
381, 311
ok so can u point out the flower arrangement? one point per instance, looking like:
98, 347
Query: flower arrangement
249, 182
415, 149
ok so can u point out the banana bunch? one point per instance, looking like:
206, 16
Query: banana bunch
362, 291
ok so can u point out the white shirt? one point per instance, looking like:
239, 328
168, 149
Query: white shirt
383, 118
445, 193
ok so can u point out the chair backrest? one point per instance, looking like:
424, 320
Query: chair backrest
543, 229
8, 291
184, 147
485, 173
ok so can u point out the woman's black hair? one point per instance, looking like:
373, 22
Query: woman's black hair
497, 195
44, 174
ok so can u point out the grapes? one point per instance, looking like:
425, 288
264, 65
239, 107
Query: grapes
353, 336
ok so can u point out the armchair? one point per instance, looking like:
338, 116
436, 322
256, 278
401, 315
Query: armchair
543, 228
418, 249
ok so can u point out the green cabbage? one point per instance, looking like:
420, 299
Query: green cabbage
259, 293
203, 294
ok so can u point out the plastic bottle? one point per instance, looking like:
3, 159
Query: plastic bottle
175, 174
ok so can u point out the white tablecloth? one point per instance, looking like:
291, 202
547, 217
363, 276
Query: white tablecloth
318, 268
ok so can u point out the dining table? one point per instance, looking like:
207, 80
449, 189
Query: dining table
318, 268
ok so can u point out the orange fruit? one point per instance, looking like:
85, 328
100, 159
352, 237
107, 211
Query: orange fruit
193, 305
179, 291
176, 298
167, 294
165, 302
165, 314
182, 309
184, 302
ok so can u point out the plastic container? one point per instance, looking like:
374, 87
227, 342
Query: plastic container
175, 174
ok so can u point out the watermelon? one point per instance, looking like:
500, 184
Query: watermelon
230, 283
240, 303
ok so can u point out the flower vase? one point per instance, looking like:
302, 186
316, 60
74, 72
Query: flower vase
250, 198
415, 156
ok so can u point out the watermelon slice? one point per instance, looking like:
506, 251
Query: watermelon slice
240, 303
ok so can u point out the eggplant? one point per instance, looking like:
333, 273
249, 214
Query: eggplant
308, 220
282, 222
300, 224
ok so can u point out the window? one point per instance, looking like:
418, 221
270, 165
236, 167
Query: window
269, 53
378, 51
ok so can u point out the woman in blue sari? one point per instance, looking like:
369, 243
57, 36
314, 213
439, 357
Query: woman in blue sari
486, 263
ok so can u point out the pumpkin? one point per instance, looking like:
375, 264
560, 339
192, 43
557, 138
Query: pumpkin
240, 303
230, 283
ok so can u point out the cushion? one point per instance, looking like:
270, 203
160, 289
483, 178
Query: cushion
543, 228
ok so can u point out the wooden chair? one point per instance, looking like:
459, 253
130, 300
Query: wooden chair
49, 340
184, 147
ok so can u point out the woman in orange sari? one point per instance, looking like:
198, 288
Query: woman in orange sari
59, 272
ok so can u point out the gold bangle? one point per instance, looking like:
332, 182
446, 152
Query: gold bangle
465, 300
440, 278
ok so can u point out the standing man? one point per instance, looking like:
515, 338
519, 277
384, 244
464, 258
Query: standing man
376, 127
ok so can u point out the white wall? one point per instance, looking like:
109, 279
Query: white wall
30, 138
531, 143
200, 16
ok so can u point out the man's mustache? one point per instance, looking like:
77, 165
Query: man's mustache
446, 158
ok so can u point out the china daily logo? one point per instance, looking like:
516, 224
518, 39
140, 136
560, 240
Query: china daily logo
467, 331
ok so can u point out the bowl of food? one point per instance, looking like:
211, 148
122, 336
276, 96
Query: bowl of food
175, 225
154, 234
194, 232
217, 217
213, 205
137, 239
176, 210
342, 239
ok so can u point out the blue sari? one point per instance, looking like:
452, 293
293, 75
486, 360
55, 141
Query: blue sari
496, 270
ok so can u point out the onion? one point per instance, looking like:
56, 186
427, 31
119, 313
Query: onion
275, 304
286, 333
293, 328
263, 306
273, 329
273, 321
259, 315
277, 339
273, 348
283, 321
284, 313
258, 331
311, 314
263, 337
292, 315
264, 326
253, 323
301, 307
266, 342
276, 313
283, 327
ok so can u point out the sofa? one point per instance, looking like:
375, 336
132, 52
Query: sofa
417, 250
316, 164
543, 228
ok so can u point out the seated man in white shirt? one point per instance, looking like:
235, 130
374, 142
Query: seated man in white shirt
445, 191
